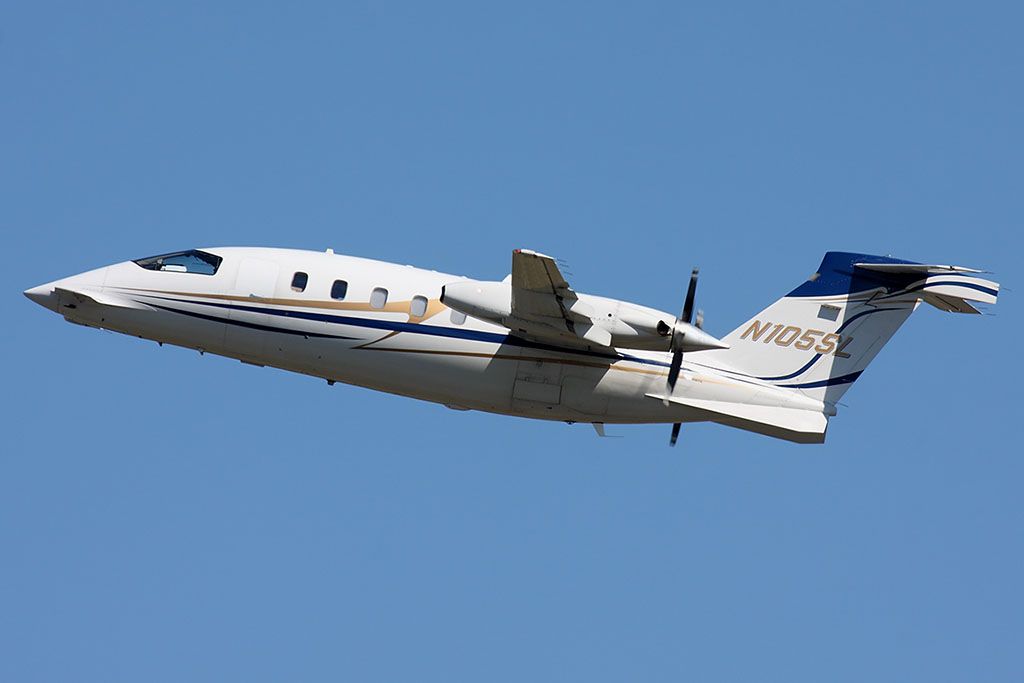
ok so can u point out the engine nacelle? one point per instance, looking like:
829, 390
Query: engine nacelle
488, 301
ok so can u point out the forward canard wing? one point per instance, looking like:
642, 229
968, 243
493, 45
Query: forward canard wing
90, 296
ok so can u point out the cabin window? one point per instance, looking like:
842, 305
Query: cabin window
378, 297
191, 261
418, 306
458, 317
339, 289
299, 281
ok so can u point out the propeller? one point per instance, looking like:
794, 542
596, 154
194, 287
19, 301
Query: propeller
679, 333
686, 334
676, 345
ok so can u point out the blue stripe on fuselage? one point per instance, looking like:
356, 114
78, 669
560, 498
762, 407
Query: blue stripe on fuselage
412, 328
242, 323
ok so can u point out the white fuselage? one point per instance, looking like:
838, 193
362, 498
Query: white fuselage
249, 310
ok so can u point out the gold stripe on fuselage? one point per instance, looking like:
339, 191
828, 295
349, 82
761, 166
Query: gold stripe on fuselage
434, 306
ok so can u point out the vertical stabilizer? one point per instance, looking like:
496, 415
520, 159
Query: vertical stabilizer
820, 337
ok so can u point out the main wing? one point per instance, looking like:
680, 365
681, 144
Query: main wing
542, 296
536, 302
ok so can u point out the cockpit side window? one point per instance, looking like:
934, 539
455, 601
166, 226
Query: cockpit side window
191, 261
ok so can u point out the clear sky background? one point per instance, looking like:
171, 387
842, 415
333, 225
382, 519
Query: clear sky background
171, 517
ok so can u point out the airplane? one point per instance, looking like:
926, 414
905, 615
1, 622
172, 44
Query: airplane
529, 345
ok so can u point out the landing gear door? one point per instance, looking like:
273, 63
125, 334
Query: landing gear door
538, 383
254, 288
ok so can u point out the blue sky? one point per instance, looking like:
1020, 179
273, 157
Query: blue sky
168, 517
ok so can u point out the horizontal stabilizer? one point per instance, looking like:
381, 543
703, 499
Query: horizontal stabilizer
952, 292
947, 288
950, 304
923, 268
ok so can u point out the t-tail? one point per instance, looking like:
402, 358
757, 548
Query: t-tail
815, 342
820, 337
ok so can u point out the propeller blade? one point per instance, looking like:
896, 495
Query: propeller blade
699, 323
675, 433
691, 292
676, 341
673, 370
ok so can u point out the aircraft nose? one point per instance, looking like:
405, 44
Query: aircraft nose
43, 295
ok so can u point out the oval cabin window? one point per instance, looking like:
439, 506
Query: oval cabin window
378, 297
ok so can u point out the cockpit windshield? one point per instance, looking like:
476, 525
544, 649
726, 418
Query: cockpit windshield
191, 261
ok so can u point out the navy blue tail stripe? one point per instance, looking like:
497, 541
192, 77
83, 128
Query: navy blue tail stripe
953, 283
